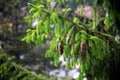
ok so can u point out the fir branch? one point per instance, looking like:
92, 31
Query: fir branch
84, 27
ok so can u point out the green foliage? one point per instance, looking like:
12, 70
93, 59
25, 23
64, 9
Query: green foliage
76, 20
81, 11
84, 43
12, 71
83, 36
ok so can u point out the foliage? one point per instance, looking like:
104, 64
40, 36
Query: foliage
9, 70
80, 42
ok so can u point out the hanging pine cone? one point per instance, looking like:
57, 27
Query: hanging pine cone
83, 48
60, 48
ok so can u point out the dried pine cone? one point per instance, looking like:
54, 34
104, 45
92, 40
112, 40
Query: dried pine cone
83, 48
60, 48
